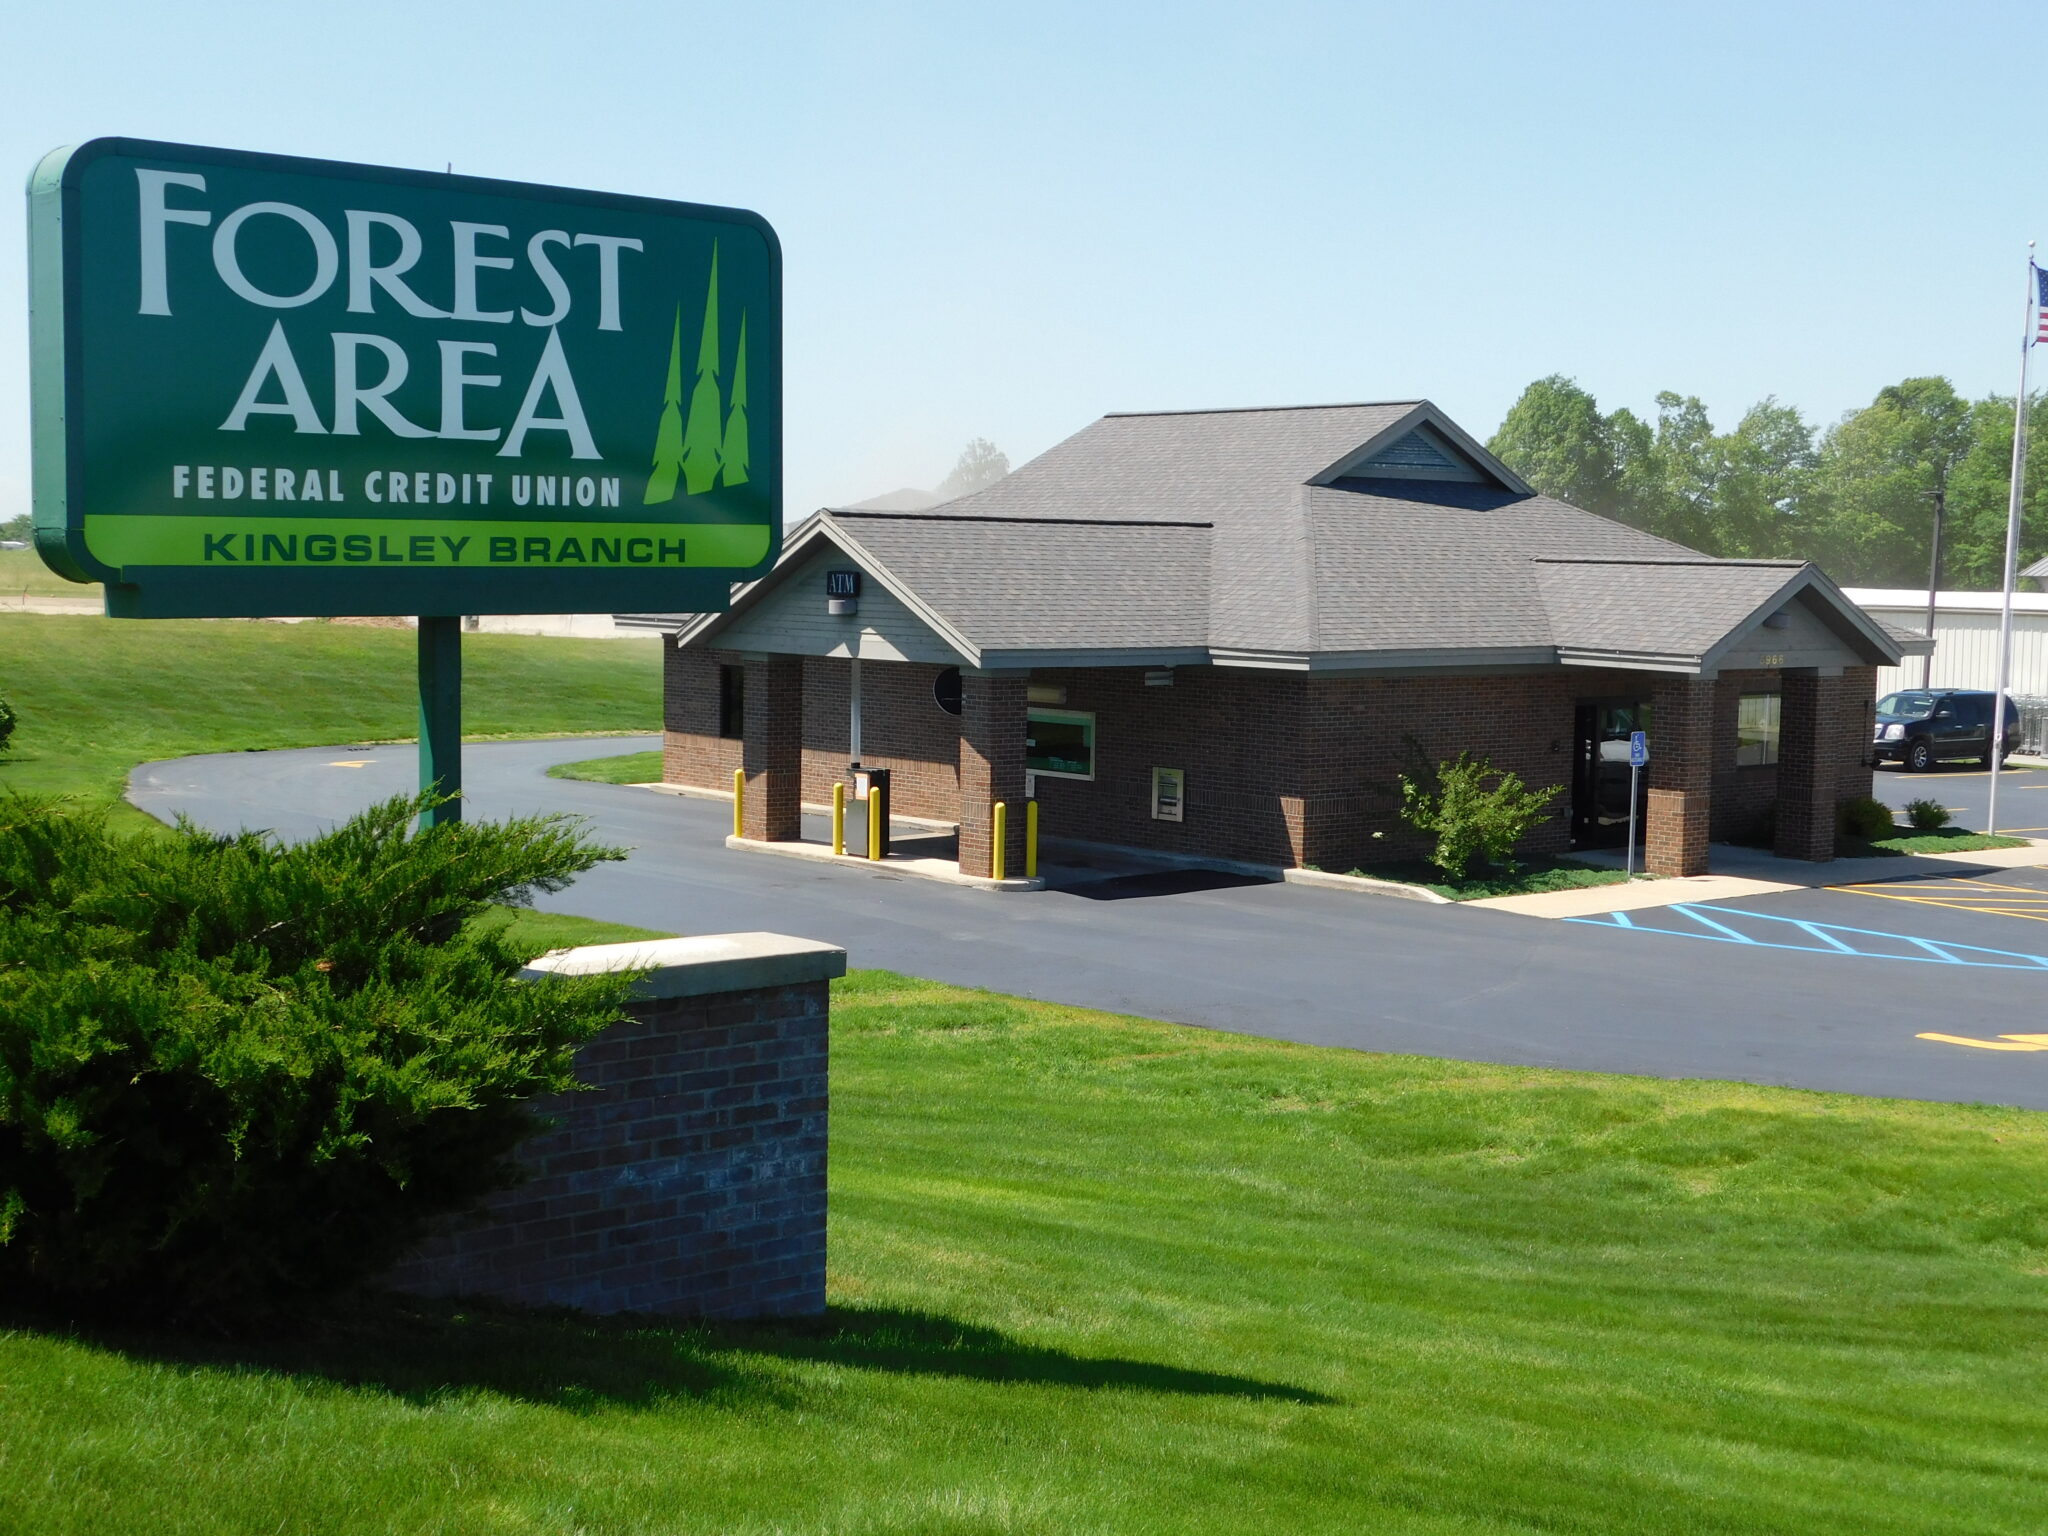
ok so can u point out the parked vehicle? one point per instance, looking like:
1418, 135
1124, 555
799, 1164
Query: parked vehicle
1920, 727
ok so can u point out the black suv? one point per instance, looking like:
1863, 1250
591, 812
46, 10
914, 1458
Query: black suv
1922, 726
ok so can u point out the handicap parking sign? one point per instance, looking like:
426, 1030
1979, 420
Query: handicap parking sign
1638, 748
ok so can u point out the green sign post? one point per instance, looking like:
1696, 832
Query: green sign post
269, 386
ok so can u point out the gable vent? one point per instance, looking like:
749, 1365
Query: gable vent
1418, 455
1411, 452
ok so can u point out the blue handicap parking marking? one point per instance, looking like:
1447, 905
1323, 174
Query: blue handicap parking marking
1767, 930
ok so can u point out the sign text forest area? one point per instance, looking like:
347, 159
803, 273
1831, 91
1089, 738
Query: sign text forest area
270, 386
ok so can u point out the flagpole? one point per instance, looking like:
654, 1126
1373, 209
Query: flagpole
2014, 501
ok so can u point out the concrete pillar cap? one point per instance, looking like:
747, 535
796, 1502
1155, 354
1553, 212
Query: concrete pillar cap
699, 965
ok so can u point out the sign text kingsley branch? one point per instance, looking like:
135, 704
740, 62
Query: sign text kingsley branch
277, 386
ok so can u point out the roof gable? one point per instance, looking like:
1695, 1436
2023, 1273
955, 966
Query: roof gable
1423, 444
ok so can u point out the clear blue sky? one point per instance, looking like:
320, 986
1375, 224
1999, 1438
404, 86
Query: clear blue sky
1004, 221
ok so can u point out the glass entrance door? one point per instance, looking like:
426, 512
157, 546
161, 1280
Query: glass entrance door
1601, 729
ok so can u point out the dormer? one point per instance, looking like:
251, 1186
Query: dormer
1424, 445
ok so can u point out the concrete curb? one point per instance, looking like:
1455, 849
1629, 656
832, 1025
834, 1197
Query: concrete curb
1367, 886
917, 869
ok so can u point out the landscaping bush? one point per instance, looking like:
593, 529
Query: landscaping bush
7, 724
1927, 815
1472, 810
236, 1075
1865, 818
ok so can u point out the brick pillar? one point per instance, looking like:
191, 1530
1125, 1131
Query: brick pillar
1681, 776
991, 768
688, 1178
773, 753
1851, 724
1809, 764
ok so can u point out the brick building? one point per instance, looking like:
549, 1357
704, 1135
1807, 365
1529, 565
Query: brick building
1223, 634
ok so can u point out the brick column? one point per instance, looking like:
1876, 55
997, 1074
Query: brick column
1852, 722
1810, 766
1681, 776
773, 752
992, 709
688, 1179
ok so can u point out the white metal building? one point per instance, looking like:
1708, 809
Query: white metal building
1965, 638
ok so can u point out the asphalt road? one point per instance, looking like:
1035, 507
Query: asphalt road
1763, 990
1965, 788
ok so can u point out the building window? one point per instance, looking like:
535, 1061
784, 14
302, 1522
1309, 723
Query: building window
732, 702
1060, 743
1756, 730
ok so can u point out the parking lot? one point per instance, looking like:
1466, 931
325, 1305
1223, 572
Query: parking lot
1965, 788
1819, 989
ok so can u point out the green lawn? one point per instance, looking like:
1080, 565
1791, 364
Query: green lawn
98, 696
536, 933
1095, 1274
23, 571
1942, 840
627, 768
1533, 875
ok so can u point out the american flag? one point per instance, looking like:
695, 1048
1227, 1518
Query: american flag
2041, 303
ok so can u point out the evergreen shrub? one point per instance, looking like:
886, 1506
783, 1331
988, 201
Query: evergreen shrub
1472, 810
1927, 815
1865, 818
236, 1075
7, 723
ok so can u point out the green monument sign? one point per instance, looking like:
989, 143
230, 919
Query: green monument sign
269, 386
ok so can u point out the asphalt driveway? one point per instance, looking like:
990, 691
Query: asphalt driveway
1965, 788
1289, 962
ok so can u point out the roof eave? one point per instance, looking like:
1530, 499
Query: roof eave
1632, 661
1811, 577
822, 526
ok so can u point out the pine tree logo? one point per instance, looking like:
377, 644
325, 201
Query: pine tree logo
668, 437
712, 444
733, 452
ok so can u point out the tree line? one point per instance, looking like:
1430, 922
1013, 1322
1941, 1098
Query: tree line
1856, 497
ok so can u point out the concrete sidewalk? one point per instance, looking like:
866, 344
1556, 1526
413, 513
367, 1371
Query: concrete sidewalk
1754, 872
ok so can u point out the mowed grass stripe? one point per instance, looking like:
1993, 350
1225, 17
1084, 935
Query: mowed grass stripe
1092, 1273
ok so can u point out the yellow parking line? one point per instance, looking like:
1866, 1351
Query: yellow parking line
1990, 897
2002, 1043
1905, 890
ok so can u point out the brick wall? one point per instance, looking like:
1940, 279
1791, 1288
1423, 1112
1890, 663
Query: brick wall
1825, 758
902, 729
689, 1182
1852, 720
1282, 768
991, 770
773, 749
1683, 762
692, 751
1237, 736
1744, 797
1359, 733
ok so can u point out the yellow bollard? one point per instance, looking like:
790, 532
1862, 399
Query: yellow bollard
1031, 839
838, 820
1002, 835
739, 802
874, 824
